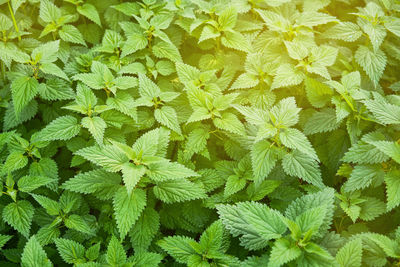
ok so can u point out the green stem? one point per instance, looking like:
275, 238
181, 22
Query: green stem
3, 72
14, 21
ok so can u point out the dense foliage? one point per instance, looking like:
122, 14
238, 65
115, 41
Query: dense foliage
200, 133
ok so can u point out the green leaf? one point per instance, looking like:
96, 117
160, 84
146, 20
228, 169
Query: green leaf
392, 24
364, 153
363, 176
209, 32
19, 215
391, 149
346, 31
164, 170
296, 50
115, 252
233, 185
92, 253
15, 161
108, 156
127, 208
56, 89
235, 40
311, 219
302, 204
385, 112
167, 116
89, 11
98, 182
186, 73
294, 139
4, 239
230, 122
178, 191
131, 175
76, 222
153, 143
70, 251
34, 255
147, 88
313, 18
263, 160
371, 208
166, 50
375, 32
283, 252
96, 127
147, 259
134, 43
145, 229
71, 34
29, 183
178, 247
197, 140
388, 245
23, 90
227, 19
350, 254
53, 69
48, 11
244, 81
52, 207
317, 93
302, 166
62, 128
286, 76
392, 180
47, 52
285, 113
321, 121
373, 63
256, 223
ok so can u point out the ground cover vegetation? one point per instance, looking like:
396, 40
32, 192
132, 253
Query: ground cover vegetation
200, 133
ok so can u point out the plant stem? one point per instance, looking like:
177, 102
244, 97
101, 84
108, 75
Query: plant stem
14, 21
3, 72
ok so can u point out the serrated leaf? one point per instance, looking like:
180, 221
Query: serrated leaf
303, 166
89, 11
178, 246
96, 127
29, 183
373, 63
70, 251
76, 222
283, 252
256, 223
167, 116
108, 156
99, 182
34, 255
23, 90
145, 229
293, 138
127, 208
115, 252
263, 160
62, 128
392, 180
362, 176
346, 31
178, 191
131, 175
19, 215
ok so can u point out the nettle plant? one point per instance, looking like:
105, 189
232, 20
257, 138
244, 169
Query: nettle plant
200, 133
